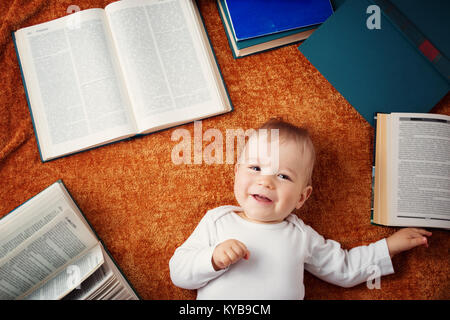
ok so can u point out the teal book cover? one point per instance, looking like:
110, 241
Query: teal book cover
385, 69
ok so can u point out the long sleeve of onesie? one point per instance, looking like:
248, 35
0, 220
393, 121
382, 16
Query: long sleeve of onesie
191, 266
346, 268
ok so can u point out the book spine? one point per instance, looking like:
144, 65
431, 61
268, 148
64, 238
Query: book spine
415, 37
223, 18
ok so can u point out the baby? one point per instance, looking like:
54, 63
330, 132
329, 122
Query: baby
261, 249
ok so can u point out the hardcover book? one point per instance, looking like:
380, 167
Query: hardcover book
253, 18
402, 66
48, 251
103, 75
411, 185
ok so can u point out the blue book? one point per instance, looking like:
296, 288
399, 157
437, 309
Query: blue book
401, 67
261, 43
255, 18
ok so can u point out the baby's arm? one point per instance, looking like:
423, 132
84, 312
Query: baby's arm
191, 266
346, 268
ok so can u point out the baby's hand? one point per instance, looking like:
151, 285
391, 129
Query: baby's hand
229, 252
406, 239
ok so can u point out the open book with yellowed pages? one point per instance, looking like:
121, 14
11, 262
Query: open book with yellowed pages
411, 175
48, 251
102, 75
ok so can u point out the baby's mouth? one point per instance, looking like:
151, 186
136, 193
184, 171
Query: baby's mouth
261, 198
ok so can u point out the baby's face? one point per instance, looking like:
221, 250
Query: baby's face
267, 188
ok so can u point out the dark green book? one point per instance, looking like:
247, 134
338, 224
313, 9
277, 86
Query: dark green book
401, 67
49, 251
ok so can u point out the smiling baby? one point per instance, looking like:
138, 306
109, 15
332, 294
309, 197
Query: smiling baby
260, 249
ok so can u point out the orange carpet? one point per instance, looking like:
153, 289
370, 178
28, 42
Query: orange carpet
143, 206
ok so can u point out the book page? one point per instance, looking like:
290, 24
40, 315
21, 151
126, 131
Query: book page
104, 284
37, 240
421, 149
70, 277
75, 87
380, 183
166, 66
88, 287
128, 291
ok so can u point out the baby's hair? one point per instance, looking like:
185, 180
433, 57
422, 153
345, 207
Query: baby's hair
288, 131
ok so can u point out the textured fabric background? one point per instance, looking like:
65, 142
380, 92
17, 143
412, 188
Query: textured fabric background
143, 206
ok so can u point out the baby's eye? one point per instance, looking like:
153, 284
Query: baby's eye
255, 168
284, 177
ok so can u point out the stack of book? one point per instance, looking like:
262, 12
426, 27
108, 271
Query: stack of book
253, 26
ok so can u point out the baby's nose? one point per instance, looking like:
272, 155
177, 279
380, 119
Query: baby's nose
266, 181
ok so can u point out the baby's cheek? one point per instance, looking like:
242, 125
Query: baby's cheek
237, 190
241, 188
291, 201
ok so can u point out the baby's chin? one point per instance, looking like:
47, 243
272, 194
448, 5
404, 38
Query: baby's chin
262, 217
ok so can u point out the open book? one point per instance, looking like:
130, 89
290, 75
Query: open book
49, 251
412, 170
103, 75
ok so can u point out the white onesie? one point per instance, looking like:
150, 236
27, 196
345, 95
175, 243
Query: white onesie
279, 253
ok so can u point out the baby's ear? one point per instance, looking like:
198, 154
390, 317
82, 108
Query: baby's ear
304, 196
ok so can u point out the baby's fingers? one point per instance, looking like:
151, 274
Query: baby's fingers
232, 255
240, 250
224, 260
422, 232
419, 236
419, 240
